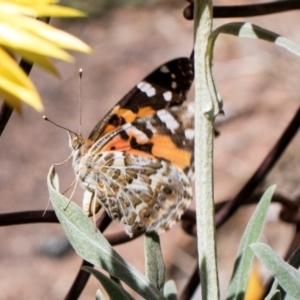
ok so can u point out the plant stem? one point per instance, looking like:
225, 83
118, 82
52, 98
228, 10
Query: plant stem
205, 102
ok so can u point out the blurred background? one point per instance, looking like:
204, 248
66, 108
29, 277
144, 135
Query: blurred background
258, 82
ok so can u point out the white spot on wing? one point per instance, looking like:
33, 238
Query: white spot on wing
140, 136
174, 85
146, 88
164, 69
167, 96
189, 133
168, 119
151, 128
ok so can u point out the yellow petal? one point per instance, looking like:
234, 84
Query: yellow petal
15, 9
10, 90
16, 38
45, 31
12, 101
14, 84
40, 60
58, 11
38, 9
255, 288
10, 69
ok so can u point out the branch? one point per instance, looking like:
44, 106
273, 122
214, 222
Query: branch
251, 10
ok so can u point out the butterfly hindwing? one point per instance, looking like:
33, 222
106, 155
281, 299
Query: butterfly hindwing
140, 191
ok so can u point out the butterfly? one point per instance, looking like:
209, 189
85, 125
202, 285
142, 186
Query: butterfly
138, 160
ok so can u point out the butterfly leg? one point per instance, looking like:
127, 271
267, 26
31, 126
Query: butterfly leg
63, 162
74, 183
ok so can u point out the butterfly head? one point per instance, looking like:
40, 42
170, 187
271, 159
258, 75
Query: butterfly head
79, 145
75, 140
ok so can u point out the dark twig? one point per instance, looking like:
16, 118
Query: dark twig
122, 237
289, 212
27, 217
270, 160
250, 10
192, 285
103, 221
79, 282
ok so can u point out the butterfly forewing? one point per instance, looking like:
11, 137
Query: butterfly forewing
164, 87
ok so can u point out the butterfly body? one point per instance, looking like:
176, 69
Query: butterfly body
138, 160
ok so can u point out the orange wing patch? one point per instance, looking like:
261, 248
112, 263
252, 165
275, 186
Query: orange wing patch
163, 147
127, 116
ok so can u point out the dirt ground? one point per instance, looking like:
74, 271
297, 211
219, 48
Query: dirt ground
258, 82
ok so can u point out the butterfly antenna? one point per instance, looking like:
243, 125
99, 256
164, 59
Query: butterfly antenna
55, 124
80, 99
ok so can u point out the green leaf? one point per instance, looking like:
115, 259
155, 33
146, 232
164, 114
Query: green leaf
170, 291
155, 268
239, 280
274, 295
293, 261
90, 244
287, 276
114, 290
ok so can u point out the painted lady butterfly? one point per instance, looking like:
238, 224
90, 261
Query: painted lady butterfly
137, 161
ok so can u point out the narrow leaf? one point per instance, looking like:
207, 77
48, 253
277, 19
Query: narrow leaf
155, 268
238, 284
287, 276
248, 30
92, 246
274, 295
114, 290
293, 261
170, 291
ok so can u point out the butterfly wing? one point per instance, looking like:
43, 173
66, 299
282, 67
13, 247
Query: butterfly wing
140, 172
140, 191
167, 134
140, 156
165, 87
